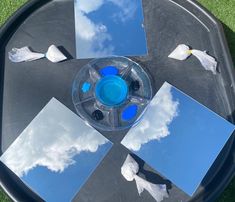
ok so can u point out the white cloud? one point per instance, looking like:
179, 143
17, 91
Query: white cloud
88, 6
154, 125
52, 139
127, 11
127, 7
87, 30
93, 39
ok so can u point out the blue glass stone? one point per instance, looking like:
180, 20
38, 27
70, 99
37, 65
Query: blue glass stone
109, 70
130, 112
111, 90
86, 87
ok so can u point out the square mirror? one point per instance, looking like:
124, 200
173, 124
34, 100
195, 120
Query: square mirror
56, 153
109, 27
179, 137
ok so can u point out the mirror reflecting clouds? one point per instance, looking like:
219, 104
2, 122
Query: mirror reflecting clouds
179, 137
56, 153
109, 27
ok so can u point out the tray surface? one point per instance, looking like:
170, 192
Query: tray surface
29, 86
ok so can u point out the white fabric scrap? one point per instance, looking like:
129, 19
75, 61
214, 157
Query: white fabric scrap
25, 54
129, 170
182, 52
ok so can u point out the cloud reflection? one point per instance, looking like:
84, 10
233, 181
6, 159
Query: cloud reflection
165, 109
94, 39
127, 11
52, 140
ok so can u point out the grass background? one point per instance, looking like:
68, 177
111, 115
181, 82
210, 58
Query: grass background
222, 9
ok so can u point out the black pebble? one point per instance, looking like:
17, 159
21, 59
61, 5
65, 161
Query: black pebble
135, 85
97, 115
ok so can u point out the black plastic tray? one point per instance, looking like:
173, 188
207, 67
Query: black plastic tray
27, 87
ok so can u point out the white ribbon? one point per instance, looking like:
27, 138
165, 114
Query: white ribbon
182, 52
129, 170
25, 54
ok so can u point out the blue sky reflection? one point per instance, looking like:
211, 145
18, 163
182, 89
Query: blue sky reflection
56, 153
109, 27
179, 137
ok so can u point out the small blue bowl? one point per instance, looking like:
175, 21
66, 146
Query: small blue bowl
111, 90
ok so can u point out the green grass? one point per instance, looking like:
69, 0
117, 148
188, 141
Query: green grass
222, 9
7, 7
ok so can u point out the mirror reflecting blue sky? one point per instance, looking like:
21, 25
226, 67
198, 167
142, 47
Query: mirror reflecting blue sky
179, 137
109, 27
56, 153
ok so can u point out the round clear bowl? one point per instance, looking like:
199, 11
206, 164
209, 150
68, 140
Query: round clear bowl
111, 93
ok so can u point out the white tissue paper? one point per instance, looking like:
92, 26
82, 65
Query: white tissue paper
25, 54
129, 170
208, 62
182, 52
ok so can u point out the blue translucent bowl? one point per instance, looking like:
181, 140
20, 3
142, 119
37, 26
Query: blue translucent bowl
111, 90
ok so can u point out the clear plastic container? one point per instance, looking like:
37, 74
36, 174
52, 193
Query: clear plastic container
111, 93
